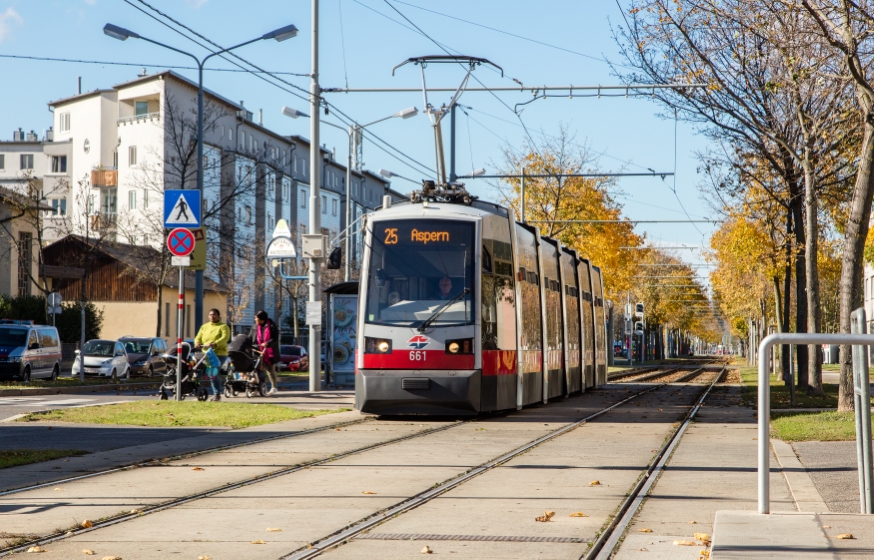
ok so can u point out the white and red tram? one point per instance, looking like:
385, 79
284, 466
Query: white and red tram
464, 310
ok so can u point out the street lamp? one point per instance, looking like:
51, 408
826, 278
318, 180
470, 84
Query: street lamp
122, 34
391, 174
350, 133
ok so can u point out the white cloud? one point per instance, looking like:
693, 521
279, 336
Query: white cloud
196, 3
7, 19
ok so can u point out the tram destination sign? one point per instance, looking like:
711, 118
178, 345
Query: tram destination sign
422, 232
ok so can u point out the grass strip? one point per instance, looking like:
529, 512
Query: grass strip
73, 382
167, 414
16, 457
780, 392
814, 426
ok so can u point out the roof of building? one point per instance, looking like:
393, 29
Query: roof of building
78, 96
136, 257
17, 199
180, 78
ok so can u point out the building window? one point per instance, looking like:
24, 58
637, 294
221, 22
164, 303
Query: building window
25, 258
132, 200
26, 161
243, 139
324, 204
65, 122
334, 205
230, 134
90, 204
141, 108
132, 156
2, 161
59, 164
303, 198
59, 207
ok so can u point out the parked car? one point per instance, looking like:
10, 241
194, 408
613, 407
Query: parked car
145, 355
29, 351
293, 358
105, 358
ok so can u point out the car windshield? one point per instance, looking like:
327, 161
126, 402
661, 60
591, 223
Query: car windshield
289, 350
417, 267
105, 348
13, 337
137, 346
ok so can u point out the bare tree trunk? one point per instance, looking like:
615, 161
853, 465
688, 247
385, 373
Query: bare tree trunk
787, 297
852, 262
814, 316
800, 282
160, 303
780, 323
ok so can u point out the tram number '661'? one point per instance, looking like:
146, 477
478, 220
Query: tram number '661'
417, 355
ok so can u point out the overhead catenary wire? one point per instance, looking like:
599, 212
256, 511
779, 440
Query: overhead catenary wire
146, 65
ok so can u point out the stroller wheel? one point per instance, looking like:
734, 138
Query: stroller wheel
262, 388
251, 390
201, 394
228, 393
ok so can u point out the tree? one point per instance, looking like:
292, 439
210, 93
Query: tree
553, 203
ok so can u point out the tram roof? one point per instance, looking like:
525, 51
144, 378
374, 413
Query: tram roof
440, 210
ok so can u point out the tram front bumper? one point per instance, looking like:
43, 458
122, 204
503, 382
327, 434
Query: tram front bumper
396, 392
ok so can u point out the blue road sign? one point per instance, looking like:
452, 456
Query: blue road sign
182, 208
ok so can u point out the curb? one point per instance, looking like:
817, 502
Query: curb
77, 390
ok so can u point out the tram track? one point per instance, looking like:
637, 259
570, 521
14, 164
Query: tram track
609, 540
175, 502
334, 539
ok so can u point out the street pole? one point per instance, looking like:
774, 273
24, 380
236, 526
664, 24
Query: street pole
522, 212
315, 204
348, 271
198, 275
452, 175
179, 360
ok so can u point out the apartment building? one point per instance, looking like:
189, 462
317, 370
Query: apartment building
125, 145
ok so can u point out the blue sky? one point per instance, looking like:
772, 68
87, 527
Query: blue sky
360, 43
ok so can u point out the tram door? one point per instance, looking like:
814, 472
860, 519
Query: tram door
584, 272
600, 328
528, 277
573, 369
553, 338
498, 316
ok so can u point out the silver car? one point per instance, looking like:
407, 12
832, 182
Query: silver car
104, 358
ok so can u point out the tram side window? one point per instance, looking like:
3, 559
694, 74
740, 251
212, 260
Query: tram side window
498, 316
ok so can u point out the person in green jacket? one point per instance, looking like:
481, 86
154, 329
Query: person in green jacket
215, 335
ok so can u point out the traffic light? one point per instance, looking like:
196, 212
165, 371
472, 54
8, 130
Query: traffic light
334, 259
638, 327
638, 308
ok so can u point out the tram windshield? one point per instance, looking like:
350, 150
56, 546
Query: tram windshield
421, 269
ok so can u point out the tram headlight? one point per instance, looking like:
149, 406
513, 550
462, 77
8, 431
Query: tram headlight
459, 346
377, 345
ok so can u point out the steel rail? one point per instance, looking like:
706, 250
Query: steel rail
175, 502
159, 460
338, 538
647, 375
608, 540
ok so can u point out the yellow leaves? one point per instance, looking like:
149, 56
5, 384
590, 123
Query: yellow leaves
578, 514
198, 469
595, 483
547, 516
845, 536
259, 541
426, 550
88, 552
685, 543
87, 524
36, 549
368, 492
702, 537
273, 530
644, 530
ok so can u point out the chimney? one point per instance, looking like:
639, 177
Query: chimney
18, 135
260, 117
333, 154
50, 134
32, 137
80, 85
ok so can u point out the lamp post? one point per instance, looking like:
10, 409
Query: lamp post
391, 174
353, 130
122, 34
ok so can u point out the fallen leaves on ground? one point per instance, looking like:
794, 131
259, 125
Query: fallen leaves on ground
259, 541
427, 550
198, 469
34, 549
368, 492
273, 530
702, 536
111, 558
88, 552
578, 514
87, 524
595, 483
685, 543
644, 530
203, 558
136, 511
547, 516
57, 489
693, 522
845, 536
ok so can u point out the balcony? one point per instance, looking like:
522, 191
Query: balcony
143, 117
103, 221
104, 177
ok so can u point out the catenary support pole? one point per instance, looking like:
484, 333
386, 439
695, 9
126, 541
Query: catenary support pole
198, 275
347, 273
315, 204
452, 175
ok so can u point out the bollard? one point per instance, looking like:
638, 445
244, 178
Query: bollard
862, 406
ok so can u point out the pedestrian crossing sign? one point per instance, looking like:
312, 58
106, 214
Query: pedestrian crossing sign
182, 208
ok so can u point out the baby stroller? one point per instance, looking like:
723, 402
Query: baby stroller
245, 372
193, 379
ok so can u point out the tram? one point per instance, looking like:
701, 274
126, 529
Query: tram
464, 310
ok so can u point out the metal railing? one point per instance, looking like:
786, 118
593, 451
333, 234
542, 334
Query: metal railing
137, 118
863, 404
